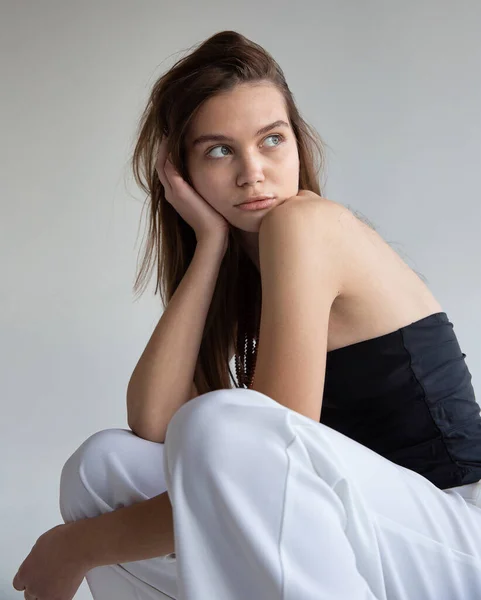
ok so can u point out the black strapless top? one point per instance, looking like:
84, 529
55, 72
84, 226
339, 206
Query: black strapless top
408, 396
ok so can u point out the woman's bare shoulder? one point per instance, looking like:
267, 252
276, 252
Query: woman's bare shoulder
381, 292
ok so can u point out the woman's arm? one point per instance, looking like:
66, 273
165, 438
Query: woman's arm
162, 379
137, 532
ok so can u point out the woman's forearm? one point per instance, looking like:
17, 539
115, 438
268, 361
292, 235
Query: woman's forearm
137, 532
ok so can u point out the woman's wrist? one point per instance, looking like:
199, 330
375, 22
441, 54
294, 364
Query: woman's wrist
75, 544
214, 242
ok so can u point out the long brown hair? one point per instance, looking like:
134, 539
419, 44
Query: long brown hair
218, 64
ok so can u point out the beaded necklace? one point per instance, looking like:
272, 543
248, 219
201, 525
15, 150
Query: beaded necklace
245, 377
245, 363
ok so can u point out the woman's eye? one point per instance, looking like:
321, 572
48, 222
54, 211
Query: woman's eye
274, 135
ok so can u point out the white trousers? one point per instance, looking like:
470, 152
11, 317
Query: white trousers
271, 505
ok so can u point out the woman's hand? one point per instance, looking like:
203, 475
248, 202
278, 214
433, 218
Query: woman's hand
195, 210
53, 570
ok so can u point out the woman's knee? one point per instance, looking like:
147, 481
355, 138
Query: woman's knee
83, 474
215, 426
201, 418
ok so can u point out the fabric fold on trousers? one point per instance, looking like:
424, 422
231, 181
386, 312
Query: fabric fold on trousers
279, 506
272, 505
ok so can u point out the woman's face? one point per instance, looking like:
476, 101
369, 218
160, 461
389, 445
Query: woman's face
228, 172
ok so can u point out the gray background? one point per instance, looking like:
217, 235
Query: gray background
394, 88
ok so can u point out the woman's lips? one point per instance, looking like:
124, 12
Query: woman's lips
257, 205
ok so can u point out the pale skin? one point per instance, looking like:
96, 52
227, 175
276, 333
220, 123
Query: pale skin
225, 173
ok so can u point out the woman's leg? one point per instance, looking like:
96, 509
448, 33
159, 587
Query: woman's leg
111, 469
270, 504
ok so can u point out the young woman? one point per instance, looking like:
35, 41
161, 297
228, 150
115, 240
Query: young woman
346, 463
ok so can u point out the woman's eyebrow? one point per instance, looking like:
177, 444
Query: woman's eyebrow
217, 137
